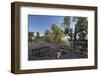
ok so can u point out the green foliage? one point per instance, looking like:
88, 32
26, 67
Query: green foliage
82, 24
30, 35
37, 36
66, 22
48, 36
81, 27
55, 35
67, 29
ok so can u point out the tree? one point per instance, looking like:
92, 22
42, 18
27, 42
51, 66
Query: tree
81, 26
30, 35
55, 35
47, 32
66, 25
67, 28
66, 22
37, 36
48, 35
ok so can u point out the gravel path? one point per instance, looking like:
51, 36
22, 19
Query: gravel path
51, 54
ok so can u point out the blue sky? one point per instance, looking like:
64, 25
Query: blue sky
39, 23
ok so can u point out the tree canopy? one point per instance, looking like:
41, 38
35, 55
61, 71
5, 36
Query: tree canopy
37, 36
54, 35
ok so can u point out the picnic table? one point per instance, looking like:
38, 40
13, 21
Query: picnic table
39, 51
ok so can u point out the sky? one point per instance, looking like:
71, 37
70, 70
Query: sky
39, 23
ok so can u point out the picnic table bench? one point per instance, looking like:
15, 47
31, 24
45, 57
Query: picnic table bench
40, 51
